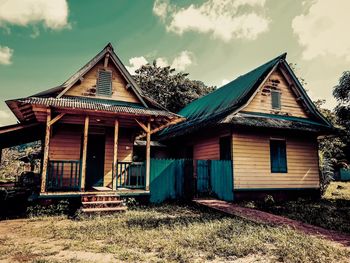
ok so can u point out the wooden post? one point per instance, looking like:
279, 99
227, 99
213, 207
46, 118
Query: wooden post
46, 152
115, 155
148, 155
83, 161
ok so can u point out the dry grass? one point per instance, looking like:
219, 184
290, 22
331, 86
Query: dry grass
164, 234
331, 212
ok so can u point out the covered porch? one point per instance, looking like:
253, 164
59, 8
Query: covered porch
90, 150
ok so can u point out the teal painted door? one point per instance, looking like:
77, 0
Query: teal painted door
95, 161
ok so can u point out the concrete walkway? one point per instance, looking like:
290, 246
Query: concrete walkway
267, 218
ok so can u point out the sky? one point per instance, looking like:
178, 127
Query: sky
43, 42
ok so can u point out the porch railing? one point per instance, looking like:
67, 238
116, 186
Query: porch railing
130, 175
63, 175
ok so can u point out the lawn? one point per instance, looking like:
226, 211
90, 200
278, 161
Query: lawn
331, 212
168, 233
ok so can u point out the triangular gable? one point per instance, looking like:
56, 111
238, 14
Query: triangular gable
294, 99
261, 101
122, 73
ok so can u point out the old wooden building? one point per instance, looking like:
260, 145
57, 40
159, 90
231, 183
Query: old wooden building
264, 122
256, 134
88, 126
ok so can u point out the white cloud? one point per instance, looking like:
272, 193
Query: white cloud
160, 8
180, 62
183, 60
323, 28
223, 19
162, 62
136, 63
53, 13
5, 57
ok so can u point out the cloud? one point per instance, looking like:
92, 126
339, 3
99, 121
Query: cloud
183, 60
180, 62
222, 19
322, 29
135, 64
5, 56
162, 62
53, 13
160, 8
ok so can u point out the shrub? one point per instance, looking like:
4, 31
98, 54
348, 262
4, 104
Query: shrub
59, 208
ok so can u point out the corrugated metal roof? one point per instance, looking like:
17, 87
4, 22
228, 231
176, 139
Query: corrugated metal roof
97, 104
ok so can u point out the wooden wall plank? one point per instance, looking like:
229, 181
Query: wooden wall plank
289, 104
252, 168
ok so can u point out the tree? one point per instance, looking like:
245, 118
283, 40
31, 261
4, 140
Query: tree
342, 94
330, 147
173, 90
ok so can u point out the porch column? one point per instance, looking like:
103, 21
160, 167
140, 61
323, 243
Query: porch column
46, 152
115, 155
83, 161
148, 155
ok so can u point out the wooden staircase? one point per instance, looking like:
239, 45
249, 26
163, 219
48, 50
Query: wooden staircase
102, 203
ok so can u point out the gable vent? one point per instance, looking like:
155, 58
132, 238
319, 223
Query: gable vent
276, 100
104, 83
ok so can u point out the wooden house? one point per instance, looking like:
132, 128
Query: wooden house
264, 122
88, 127
262, 125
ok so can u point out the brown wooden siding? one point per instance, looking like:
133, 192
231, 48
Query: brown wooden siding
207, 147
87, 87
289, 104
252, 168
125, 152
65, 143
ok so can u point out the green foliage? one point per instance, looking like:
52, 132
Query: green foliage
171, 89
60, 208
11, 164
326, 175
342, 94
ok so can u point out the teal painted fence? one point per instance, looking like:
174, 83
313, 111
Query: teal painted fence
345, 174
167, 179
203, 182
214, 177
221, 179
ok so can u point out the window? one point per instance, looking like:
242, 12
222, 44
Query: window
276, 100
278, 156
225, 148
104, 83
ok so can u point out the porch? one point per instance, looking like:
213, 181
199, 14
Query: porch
64, 178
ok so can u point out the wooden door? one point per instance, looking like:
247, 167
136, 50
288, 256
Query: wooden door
95, 160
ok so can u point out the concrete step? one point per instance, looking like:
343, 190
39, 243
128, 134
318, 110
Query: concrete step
99, 197
104, 209
103, 202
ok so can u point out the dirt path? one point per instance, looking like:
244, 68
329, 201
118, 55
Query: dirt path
264, 217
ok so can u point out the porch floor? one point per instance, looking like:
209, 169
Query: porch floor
119, 192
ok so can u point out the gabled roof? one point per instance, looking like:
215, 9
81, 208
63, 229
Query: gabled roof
232, 97
59, 91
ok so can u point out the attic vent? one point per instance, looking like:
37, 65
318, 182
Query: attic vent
275, 100
104, 83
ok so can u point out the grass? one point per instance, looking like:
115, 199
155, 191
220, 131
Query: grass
332, 211
169, 233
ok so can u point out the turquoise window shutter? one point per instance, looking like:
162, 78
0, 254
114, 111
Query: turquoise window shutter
104, 83
278, 155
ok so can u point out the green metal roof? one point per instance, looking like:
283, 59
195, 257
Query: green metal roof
229, 95
217, 106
